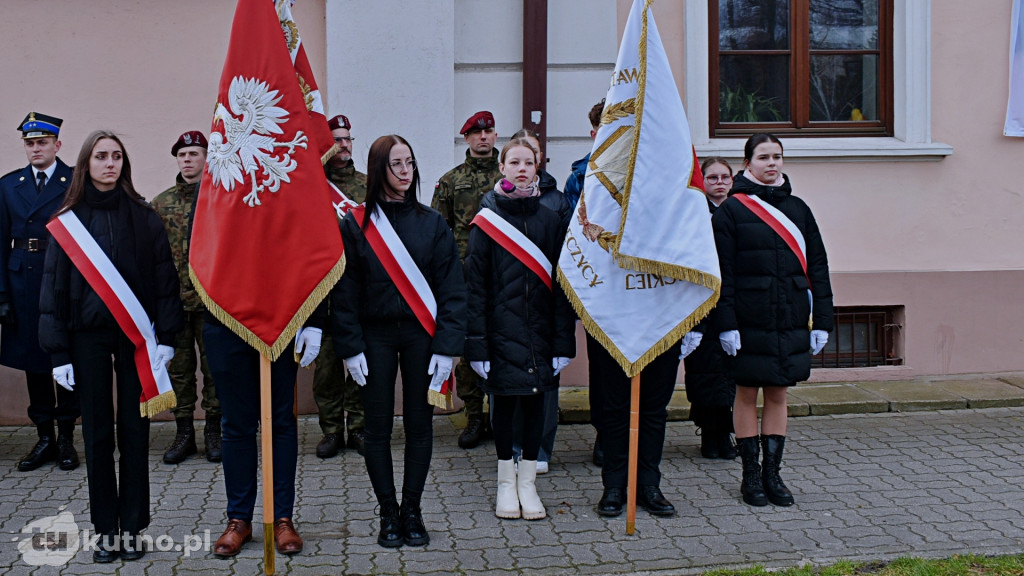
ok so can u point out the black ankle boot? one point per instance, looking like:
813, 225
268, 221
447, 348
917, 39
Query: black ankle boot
184, 443
726, 449
752, 487
211, 439
776, 490
709, 444
390, 528
413, 530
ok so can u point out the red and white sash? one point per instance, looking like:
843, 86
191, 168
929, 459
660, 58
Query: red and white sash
341, 203
510, 238
409, 280
785, 228
110, 286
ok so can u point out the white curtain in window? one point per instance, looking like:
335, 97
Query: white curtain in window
1015, 107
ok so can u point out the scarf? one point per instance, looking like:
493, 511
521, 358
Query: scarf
510, 190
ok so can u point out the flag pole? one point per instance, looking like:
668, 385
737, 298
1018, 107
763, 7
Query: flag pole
634, 438
267, 437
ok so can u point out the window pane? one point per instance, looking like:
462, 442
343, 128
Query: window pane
754, 89
844, 88
844, 24
753, 24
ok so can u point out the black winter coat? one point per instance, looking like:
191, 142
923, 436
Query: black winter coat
515, 321
764, 290
134, 238
366, 295
708, 383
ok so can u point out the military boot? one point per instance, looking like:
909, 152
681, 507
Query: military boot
752, 487
776, 490
211, 439
184, 443
44, 451
67, 456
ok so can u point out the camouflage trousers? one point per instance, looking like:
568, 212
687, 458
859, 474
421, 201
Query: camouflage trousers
335, 395
182, 370
467, 386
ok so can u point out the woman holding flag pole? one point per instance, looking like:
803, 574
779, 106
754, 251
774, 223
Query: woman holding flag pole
400, 304
110, 289
521, 327
775, 310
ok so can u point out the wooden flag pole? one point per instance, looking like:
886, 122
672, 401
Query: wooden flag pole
634, 440
267, 438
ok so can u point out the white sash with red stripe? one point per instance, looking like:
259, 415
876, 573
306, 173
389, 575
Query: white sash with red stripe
110, 286
515, 242
409, 280
342, 203
785, 228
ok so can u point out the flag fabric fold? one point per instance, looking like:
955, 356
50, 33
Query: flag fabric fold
265, 247
639, 262
1014, 125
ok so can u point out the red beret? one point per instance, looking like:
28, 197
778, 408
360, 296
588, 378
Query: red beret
339, 121
190, 138
480, 121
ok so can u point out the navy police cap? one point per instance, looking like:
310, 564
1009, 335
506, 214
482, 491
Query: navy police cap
37, 125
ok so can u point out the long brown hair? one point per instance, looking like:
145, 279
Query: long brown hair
76, 191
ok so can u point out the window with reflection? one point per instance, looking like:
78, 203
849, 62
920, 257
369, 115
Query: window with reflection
814, 67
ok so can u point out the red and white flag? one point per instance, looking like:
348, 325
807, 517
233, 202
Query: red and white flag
266, 248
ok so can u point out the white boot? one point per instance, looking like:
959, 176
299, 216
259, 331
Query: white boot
508, 499
533, 509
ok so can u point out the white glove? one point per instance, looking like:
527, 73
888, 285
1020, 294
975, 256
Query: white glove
307, 343
357, 368
65, 377
690, 342
163, 356
559, 362
481, 368
440, 368
818, 340
730, 341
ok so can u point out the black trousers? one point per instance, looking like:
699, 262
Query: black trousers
609, 408
117, 501
390, 346
528, 419
235, 367
48, 402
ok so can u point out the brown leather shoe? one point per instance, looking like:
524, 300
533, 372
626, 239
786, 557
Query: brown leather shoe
230, 542
286, 538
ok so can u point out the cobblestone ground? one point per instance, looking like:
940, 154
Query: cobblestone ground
867, 487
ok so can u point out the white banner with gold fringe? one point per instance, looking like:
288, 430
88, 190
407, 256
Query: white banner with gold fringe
639, 261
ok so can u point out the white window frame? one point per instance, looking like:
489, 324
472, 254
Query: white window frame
912, 103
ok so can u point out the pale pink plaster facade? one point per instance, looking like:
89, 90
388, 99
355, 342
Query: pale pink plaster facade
939, 237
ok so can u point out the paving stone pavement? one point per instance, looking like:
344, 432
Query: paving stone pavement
873, 486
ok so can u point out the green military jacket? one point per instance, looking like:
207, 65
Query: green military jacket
348, 180
458, 193
175, 207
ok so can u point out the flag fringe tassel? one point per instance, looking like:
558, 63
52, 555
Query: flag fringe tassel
154, 406
298, 320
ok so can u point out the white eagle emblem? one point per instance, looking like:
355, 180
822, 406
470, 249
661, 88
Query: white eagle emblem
248, 146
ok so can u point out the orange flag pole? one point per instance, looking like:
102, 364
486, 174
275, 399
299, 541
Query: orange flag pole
634, 440
267, 437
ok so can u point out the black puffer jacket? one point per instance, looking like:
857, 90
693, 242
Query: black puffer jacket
132, 235
366, 295
552, 198
708, 383
764, 291
515, 321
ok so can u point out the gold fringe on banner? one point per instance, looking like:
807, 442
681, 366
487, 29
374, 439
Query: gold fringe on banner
298, 320
442, 401
659, 347
329, 154
154, 406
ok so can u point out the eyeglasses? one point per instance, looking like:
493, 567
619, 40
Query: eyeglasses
340, 139
396, 165
714, 179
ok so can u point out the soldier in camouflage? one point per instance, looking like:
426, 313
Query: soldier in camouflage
334, 391
457, 197
176, 206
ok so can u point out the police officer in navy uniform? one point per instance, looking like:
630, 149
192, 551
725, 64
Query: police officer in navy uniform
28, 198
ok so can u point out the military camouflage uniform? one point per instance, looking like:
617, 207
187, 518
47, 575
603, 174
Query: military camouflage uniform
457, 197
333, 396
176, 206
